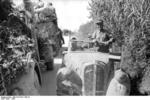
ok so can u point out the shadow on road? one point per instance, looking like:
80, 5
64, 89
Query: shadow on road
49, 79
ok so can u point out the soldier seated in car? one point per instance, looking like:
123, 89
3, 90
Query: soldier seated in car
102, 37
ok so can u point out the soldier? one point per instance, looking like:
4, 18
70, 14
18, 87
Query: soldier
73, 44
102, 37
53, 12
47, 13
60, 35
46, 34
59, 40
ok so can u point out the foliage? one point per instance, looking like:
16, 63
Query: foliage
86, 29
128, 20
5, 9
15, 43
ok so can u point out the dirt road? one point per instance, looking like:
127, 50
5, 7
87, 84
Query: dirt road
49, 80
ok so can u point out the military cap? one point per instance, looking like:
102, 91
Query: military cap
99, 21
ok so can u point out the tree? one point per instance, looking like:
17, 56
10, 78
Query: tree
128, 21
67, 32
86, 29
5, 9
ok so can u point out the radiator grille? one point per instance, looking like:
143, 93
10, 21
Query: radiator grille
89, 80
100, 78
94, 79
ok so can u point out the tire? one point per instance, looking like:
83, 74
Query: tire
50, 65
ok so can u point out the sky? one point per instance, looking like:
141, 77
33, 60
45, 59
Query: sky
71, 13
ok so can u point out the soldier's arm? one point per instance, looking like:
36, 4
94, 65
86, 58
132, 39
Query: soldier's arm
110, 39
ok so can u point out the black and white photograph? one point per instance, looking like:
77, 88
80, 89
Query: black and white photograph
74, 48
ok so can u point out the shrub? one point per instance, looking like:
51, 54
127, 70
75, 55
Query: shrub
128, 21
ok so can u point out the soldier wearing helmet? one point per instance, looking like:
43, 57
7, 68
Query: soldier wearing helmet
102, 37
46, 33
46, 13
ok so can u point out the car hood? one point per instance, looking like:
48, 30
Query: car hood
80, 58
82, 64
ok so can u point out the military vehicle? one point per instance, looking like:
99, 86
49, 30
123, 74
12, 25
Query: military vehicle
85, 71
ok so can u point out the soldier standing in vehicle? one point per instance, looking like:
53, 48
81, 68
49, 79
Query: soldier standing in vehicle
102, 37
39, 5
60, 36
46, 19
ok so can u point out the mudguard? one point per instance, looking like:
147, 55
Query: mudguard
119, 85
68, 82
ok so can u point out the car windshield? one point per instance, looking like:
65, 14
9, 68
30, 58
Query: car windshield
78, 45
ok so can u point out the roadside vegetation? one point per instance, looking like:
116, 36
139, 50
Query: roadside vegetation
129, 23
15, 44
